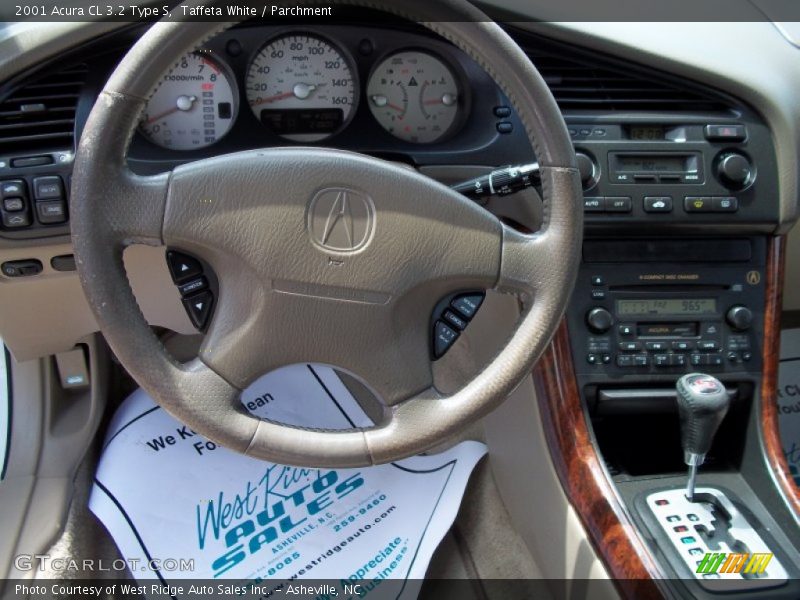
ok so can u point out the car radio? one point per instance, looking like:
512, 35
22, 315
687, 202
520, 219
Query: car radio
671, 170
643, 316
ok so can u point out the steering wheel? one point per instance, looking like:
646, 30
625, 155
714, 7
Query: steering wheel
286, 298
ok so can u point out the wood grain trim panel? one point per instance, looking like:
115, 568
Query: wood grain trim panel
586, 481
769, 384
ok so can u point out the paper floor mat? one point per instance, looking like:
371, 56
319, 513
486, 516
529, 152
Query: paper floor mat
181, 508
789, 399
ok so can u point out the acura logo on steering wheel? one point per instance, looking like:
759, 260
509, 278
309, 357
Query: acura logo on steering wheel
341, 219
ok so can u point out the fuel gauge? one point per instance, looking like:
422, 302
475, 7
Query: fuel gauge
414, 96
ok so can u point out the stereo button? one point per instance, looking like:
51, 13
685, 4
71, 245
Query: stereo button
682, 346
624, 360
677, 360
630, 346
704, 346
661, 360
641, 360
626, 330
656, 346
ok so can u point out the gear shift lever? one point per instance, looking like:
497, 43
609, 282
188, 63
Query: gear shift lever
702, 404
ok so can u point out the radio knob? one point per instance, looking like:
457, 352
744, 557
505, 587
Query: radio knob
599, 320
734, 170
739, 317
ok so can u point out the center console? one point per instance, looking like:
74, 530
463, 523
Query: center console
673, 281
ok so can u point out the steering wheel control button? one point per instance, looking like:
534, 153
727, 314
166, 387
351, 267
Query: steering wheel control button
467, 305
443, 337
658, 204
454, 320
198, 307
50, 213
182, 267
21, 268
48, 188
195, 285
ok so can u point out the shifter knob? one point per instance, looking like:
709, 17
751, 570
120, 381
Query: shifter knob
702, 404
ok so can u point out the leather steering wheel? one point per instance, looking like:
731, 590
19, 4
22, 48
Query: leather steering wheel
283, 297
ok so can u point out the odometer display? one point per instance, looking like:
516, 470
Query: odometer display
301, 87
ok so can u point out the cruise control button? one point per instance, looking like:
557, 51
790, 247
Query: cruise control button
182, 267
48, 188
467, 305
13, 188
658, 204
443, 338
13, 204
195, 285
454, 320
51, 212
198, 307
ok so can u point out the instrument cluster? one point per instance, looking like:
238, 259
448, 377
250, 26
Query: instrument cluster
304, 87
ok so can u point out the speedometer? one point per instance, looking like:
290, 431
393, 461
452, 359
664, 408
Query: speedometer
301, 87
193, 106
414, 96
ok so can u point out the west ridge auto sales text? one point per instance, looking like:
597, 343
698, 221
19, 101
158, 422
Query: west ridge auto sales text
225, 589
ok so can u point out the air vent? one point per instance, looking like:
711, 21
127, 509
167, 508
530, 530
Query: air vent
40, 113
578, 83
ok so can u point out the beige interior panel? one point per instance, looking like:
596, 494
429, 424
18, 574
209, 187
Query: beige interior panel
48, 313
791, 291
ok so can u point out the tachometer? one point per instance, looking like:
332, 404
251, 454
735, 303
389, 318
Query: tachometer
193, 106
414, 96
302, 87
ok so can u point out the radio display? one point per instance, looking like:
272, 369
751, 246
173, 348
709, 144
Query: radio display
667, 306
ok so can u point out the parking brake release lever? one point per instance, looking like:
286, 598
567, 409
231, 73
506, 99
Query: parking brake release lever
702, 404
500, 182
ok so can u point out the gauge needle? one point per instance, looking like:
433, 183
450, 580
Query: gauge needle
381, 101
274, 98
446, 99
183, 103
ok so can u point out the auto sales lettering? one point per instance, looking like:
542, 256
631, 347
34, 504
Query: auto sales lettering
266, 516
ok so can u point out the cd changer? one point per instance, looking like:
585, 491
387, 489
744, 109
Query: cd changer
669, 287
